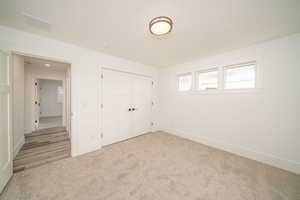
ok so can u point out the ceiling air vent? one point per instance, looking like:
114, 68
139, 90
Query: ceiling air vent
36, 22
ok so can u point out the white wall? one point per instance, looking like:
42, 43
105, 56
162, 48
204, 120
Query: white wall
48, 98
31, 74
262, 124
85, 80
18, 102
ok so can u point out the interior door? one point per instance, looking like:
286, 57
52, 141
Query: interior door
37, 103
142, 87
6, 149
116, 100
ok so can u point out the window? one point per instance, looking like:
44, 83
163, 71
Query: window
207, 80
60, 94
185, 82
241, 77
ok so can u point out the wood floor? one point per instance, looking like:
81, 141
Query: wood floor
42, 147
48, 122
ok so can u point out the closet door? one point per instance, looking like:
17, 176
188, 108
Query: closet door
142, 88
117, 100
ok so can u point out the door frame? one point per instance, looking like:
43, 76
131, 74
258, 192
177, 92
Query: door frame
68, 84
9, 166
100, 95
36, 103
65, 99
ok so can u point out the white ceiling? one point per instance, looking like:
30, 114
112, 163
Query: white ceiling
201, 27
40, 63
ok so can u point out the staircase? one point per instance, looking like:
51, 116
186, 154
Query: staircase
41, 147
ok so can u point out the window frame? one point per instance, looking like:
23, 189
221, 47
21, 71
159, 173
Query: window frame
192, 81
221, 79
240, 65
211, 69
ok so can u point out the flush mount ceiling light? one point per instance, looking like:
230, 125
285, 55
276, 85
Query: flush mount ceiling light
47, 65
160, 25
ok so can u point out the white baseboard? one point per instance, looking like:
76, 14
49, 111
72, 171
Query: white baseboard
288, 165
18, 146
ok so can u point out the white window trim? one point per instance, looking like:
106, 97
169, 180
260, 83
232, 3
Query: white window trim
211, 69
240, 65
221, 80
192, 84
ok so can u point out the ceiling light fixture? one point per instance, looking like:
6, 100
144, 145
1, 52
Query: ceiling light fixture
160, 25
47, 65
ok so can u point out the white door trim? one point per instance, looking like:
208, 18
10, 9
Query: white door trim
70, 113
65, 102
7, 170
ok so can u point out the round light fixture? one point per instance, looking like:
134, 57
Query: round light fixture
160, 25
47, 65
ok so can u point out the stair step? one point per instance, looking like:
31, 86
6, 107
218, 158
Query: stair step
43, 150
40, 157
46, 131
45, 135
41, 147
18, 168
35, 142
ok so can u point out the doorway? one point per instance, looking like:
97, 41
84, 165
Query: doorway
41, 111
49, 104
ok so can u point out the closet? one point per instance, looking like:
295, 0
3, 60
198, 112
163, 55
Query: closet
126, 105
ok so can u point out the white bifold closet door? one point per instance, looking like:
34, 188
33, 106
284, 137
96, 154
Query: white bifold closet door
126, 100
141, 103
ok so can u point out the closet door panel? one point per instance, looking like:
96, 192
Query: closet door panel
117, 99
142, 88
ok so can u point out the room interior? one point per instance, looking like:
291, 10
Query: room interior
163, 99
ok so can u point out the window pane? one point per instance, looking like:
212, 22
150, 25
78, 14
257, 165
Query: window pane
240, 77
208, 80
185, 82
60, 94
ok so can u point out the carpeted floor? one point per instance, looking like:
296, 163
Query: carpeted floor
154, 166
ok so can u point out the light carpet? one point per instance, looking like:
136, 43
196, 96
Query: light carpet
154, 166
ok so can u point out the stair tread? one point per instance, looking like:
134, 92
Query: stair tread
39, 163
42, 138
42, 151
44, 147
41, 147
40, 157
45, 135
46, 131
39, 144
